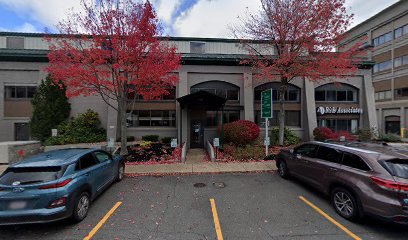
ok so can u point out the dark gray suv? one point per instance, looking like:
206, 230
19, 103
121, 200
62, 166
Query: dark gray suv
361, 179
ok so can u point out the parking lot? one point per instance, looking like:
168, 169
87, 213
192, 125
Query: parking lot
245, 206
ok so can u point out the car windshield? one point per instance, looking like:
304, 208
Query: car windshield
30, 175
398, 167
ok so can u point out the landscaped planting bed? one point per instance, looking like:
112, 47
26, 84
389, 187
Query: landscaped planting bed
152, 152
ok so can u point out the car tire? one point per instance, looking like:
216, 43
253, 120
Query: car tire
81, 207
345, 204
121, 172
283, 169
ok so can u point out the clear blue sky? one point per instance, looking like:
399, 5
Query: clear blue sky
198, 18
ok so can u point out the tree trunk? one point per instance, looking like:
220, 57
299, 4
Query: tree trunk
282, 91
118, 124
281, 116
123, 127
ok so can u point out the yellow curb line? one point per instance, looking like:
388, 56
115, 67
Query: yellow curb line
352, 235
216, 220
103, 220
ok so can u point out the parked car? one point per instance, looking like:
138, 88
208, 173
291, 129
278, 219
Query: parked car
56, 185
364, 179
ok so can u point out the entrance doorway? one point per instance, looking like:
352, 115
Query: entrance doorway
197, 129
392, 124
21, 132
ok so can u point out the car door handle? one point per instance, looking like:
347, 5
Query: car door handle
333, 169
87, 174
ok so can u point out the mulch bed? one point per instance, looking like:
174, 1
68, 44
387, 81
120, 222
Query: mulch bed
154, 153
273, 151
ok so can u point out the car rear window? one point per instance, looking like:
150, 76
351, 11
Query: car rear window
31, 175
397, 167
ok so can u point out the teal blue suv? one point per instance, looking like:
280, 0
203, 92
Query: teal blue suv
56, 185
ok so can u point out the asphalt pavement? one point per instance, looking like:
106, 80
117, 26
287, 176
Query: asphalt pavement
247, 206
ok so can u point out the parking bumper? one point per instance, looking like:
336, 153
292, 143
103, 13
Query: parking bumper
33, 216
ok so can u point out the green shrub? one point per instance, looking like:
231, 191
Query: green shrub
50, 108
366, 134
270, 157
289, 137
85, 128
389, 137
166, 140
150, 138
131, 138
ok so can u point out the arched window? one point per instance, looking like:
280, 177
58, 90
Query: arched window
292, 94
336, 92
219, 88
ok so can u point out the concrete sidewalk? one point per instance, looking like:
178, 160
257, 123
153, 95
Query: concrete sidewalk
194, 168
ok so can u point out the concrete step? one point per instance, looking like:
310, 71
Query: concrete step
196, 156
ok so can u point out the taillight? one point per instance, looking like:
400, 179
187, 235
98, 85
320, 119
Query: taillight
390, 185
58, 203
57, 185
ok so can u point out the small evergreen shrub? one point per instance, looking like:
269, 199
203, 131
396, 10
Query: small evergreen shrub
150, 138
166, 140
50, 108
241, 132
130, 138
289, 137
365, 134
389, 137
85, 128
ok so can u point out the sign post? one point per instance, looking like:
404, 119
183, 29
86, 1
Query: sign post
216, 143
266, 112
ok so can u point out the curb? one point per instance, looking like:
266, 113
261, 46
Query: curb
195, 173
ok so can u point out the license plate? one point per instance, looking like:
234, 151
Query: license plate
17, 205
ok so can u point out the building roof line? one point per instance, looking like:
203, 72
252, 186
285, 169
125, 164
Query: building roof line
395, 5
191, 39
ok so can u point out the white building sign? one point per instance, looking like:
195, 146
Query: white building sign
216, 142
339, 110
173, 142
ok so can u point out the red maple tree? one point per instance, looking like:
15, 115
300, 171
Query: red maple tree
112, 49
298, 38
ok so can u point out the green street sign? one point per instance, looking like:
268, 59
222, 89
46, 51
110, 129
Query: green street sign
267, 107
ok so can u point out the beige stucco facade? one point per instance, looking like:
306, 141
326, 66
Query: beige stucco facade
217, 65
387, 33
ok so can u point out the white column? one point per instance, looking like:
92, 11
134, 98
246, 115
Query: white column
248, 96
310, 123
182, 90
369, 110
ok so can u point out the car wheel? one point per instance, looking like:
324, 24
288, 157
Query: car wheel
283, 169
81, 207
121, 172
345, 204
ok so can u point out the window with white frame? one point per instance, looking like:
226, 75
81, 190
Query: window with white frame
382, 66
400, 61
382, 39
383, 95
398, 32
